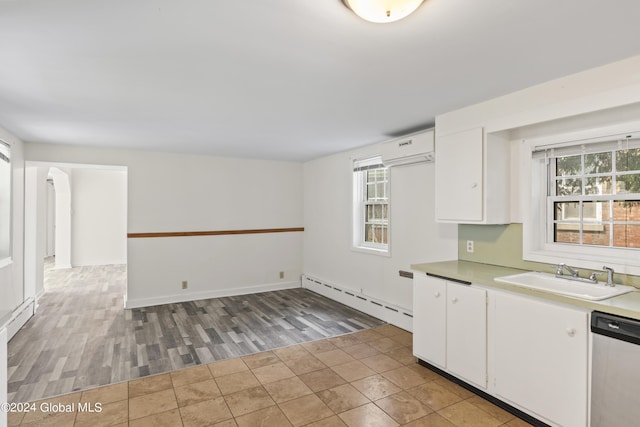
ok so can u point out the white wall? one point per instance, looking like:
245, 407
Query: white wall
415, 237
173, 192
99, 216
50, 220
35, 219
597, 89
62, 184
11, 275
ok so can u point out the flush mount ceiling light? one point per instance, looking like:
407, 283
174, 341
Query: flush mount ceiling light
382, 11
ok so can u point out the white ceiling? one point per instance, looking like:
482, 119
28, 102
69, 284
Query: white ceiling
280, 79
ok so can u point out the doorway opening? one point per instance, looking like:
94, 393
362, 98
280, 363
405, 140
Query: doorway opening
75, 216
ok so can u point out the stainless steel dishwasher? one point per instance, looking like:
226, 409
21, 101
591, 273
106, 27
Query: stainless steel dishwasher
615, 380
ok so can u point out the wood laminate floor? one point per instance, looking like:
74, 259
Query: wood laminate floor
81, 336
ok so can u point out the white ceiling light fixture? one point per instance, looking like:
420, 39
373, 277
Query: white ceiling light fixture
382, 11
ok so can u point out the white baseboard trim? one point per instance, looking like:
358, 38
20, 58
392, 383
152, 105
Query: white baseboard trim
107, 262
390, 313
217, 293
62, 267
36, 303
19, 317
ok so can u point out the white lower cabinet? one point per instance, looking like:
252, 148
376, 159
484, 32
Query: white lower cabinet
429, 317
449, 327
530, 353
540, 357
467, 333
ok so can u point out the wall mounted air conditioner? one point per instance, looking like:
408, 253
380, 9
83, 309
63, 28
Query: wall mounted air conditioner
414, 148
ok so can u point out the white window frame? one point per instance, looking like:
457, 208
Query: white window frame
5, 151
536, 231
359, 205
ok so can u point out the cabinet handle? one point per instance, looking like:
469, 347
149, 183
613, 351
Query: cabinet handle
474, 185
454, 300
437, 295
571, 332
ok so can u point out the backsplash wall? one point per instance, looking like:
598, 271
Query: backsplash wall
502, 245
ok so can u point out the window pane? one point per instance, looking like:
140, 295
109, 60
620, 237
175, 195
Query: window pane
567, 211
567, 226
375, 213
371, 192
598, 185
571, 165
626, 235
566, 233
627, 210
375, 233
628, 160
597, 163
595, 211
369, 234
596, 234
569, 186
628, 183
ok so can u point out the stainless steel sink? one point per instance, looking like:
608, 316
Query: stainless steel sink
550, 283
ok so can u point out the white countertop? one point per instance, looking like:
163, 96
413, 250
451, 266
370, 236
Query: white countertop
627, 305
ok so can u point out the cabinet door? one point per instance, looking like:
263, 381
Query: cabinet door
467, 333
541, 354
459, 179
429, 316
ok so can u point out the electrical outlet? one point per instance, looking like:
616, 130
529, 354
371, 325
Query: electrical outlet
282, 274
185, 284
470, 246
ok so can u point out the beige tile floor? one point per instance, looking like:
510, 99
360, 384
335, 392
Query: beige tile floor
367, 378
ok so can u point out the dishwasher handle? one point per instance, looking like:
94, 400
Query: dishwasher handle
618, 327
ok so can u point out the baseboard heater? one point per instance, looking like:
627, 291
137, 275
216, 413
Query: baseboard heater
20, 316
382, 310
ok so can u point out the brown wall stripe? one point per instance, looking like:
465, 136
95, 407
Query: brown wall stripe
213, 233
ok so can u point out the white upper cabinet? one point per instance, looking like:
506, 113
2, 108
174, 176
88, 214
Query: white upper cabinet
472, 178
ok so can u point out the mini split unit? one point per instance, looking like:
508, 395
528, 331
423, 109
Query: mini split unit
409, 149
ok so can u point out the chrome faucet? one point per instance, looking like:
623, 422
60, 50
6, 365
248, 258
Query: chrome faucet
610, 272
562, 266
574, 274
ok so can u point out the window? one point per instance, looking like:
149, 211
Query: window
371, 205
586, 201
5, 201
595, 195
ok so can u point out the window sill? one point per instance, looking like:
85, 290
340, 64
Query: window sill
372, 251
576, 227
586, 261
